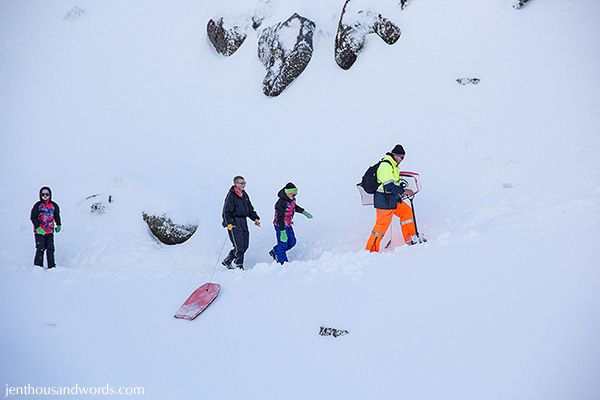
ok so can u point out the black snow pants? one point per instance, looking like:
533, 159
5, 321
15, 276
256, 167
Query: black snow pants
44, 243
240, 238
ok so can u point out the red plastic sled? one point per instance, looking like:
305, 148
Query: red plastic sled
198, 301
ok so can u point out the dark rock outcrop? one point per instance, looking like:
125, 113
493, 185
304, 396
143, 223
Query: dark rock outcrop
166, 231
225, 40
386, 30
353, 28
285, 50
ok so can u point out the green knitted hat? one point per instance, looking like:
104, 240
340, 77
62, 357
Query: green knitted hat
290, 188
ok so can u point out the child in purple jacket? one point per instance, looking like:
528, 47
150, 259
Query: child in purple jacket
45, 217
285, 207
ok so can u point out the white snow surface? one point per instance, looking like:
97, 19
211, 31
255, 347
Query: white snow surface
129, 99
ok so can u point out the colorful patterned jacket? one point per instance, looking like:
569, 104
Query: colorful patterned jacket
284, 210
45, 213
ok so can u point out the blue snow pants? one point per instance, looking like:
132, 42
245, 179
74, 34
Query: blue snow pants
281, 247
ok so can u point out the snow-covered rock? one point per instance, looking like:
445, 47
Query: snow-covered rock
226, 39
228, 30
468, 81
167, 231
74, 14
324, 331
97, 204
356, 22
285, 50
500, 303
519, 3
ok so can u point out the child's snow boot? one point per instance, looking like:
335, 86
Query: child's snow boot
272, 254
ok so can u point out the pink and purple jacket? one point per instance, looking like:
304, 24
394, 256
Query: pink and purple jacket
45, 214
284, 210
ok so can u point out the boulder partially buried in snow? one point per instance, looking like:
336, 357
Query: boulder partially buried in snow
227, 32
355, 24
285, 50
225, 38
519, 3
166, 231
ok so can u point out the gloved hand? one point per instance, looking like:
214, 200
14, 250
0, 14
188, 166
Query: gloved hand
307, 214
40, 231
229, 227
257, 223
283, 236
57, 228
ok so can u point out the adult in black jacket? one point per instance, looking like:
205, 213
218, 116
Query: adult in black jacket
45, 217
236, 209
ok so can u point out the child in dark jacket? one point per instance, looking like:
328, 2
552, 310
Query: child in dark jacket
285, 208
45, 217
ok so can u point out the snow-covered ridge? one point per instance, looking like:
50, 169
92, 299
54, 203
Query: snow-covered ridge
129, 100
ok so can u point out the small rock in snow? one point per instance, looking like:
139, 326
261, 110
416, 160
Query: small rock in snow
324, 331
468, 81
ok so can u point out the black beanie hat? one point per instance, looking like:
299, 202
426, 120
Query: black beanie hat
398, 149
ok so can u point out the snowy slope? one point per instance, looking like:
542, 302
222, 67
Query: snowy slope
129, 98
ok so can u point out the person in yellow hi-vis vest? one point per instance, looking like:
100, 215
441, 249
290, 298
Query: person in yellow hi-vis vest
388, 200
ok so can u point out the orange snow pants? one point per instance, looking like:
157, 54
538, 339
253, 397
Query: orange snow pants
384, 218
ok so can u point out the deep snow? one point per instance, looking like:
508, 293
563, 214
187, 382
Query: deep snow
129, 98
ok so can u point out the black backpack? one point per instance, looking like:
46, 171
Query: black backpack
369, 180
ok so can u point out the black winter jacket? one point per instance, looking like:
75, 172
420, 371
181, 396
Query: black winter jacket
237, 207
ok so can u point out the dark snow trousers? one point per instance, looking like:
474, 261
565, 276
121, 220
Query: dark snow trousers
240, 238
44, 243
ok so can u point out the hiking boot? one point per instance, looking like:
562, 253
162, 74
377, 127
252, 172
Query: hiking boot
272, 254
240, 266
415, 239
228, 263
